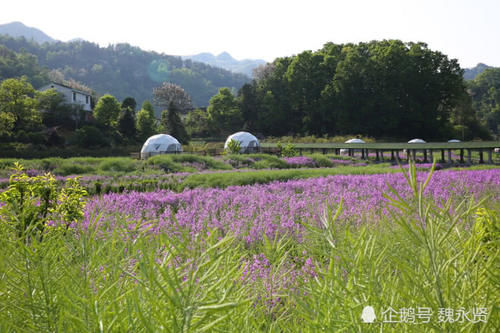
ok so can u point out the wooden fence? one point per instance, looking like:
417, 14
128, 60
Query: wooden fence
399, 151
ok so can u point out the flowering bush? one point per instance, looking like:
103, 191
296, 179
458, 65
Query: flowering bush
300, 161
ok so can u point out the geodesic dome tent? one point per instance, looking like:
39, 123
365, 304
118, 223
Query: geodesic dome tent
160, 144
355, 141
248, 142
345, 151
416, 141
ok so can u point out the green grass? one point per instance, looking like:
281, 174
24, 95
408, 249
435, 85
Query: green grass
222, 180
185, 162
256, 161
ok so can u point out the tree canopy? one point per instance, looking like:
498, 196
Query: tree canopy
485, 92
170, 93
172, 123
381, 88
107, 110
18, 106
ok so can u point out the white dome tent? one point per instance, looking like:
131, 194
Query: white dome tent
248, 142
160, 144
355, 141
345, 151
416, 141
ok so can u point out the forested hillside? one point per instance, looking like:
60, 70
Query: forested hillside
123, 70
14, 64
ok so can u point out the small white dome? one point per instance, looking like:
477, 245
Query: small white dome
416, 141
344, 151
160, 144
454, 140
248, 142
354, 141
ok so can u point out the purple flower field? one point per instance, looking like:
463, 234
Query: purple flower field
273, 209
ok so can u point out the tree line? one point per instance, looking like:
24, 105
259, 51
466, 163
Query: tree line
382, 89
46, 118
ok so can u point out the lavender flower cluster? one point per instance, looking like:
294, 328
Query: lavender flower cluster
300, 161
276, 208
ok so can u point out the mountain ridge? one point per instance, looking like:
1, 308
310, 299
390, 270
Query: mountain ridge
18, 29
471, 73
226, 61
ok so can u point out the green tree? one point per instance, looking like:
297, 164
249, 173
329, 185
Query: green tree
17, 98
197, 123
172, 124
248, 103
126, 123
106, 111
148, 107
7, 122
129, 102
224, 113
145, 124
90, 136
485, 91
307, 77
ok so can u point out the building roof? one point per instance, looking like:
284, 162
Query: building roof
65, 86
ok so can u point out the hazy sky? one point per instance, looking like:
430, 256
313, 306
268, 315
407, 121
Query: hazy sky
468, 30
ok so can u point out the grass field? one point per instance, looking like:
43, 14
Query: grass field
304, 255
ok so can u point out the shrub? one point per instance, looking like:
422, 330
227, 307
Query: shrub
288, 151
90, 136
68, 167
233, 147
31, 203
321, 160
123, 164
174, 162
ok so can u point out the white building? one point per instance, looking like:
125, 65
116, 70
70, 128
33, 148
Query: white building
71, 96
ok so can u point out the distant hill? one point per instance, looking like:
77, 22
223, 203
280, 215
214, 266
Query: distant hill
226, 61
471, 73
124, 70
17, 29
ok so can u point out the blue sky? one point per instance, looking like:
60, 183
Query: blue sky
466, 30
